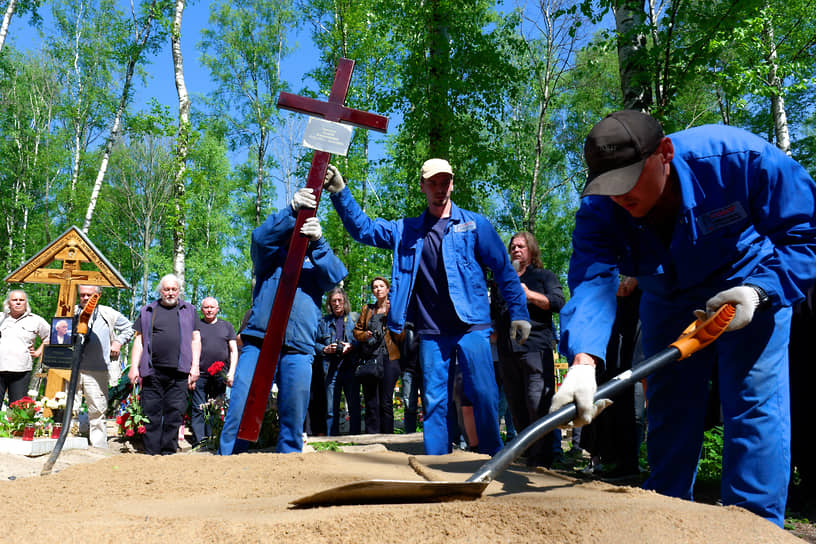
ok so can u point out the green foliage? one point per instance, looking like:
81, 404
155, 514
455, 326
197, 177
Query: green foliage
329, 446
507, 96
710, 468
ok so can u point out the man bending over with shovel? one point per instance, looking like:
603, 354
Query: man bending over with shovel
708, 216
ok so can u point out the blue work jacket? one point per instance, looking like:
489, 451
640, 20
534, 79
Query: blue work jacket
321, 271
470, 242
747, 216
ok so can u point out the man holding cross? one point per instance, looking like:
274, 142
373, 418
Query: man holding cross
321, 271
439, 285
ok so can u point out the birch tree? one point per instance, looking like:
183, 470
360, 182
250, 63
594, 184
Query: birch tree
143, 42
635, 74
243, 48
82, 46
182, 144
16, 7
29, 153
550, 44
137, 204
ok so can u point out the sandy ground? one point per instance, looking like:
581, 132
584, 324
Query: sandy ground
111, 496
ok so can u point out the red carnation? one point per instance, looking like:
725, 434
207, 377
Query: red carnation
129, 433
141, 429
215, 368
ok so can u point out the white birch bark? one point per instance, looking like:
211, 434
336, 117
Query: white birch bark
141, 39
181, 145
635, 90
780, 118
12, 5
78, 98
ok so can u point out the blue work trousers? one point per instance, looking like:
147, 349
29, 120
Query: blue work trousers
437, 356
293, 376
752, 365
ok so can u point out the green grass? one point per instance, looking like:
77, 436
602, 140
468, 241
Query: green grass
329, 446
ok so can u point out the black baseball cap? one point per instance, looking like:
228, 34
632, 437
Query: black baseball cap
616, 149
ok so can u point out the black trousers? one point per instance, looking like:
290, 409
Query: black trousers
164, 399
16, 383
529, 385
379, 399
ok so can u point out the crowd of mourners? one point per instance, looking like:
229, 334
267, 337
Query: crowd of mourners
669, 227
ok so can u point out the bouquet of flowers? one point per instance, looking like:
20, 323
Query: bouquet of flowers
218, 368
131, 420
22, 412
56, 405
215, 410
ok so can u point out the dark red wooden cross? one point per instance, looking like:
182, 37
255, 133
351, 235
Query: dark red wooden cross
333, 110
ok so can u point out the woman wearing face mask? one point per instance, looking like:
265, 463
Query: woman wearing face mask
376, 340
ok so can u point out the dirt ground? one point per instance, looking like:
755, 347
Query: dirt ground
99, 496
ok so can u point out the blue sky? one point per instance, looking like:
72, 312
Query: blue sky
160, 84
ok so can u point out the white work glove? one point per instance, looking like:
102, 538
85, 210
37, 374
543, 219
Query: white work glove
745, 300
520, 330
333, 182
304, 198
311, 229
579, 387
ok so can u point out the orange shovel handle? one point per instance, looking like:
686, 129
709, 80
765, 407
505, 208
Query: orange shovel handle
701, 333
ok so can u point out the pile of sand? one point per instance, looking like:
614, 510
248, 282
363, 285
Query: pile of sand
199, 497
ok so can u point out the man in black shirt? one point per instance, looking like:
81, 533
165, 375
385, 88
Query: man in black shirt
218, 345
164, 360
527, 369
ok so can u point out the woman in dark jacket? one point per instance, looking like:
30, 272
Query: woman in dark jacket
336, 347
375, 339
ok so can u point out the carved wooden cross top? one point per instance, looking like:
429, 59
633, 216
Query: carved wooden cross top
72, 248
333, 110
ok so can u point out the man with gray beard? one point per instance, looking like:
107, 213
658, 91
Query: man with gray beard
164, 360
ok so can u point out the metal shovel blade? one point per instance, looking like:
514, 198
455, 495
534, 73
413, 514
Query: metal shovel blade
393, 492
698, 335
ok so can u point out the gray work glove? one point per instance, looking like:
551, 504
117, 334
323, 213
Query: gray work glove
745, 300
304, 198
333, 182
311, 229
520, 330
579, 387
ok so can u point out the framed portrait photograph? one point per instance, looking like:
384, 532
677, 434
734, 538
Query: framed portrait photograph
61, 330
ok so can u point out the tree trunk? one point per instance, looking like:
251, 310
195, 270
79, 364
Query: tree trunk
141, 41
780, 118
635, 88
181, 147
78, 98
260, 176
12, 5
438, 72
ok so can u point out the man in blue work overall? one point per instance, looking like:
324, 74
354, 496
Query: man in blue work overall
439, 285
321, 271
703, 217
